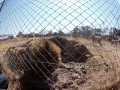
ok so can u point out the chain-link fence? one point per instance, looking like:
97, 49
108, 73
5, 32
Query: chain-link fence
60, 44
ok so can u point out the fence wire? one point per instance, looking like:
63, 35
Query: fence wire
59, 44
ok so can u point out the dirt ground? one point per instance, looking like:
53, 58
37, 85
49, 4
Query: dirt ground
100, 72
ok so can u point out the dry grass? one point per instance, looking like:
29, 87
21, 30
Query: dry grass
103, 70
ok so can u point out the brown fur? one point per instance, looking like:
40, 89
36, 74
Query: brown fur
37, 59
71, 50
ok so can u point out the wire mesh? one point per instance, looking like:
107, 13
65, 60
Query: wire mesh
49, 39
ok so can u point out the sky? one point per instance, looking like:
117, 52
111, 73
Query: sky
41, 16
1, 0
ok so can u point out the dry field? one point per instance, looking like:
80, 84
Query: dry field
102, 71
